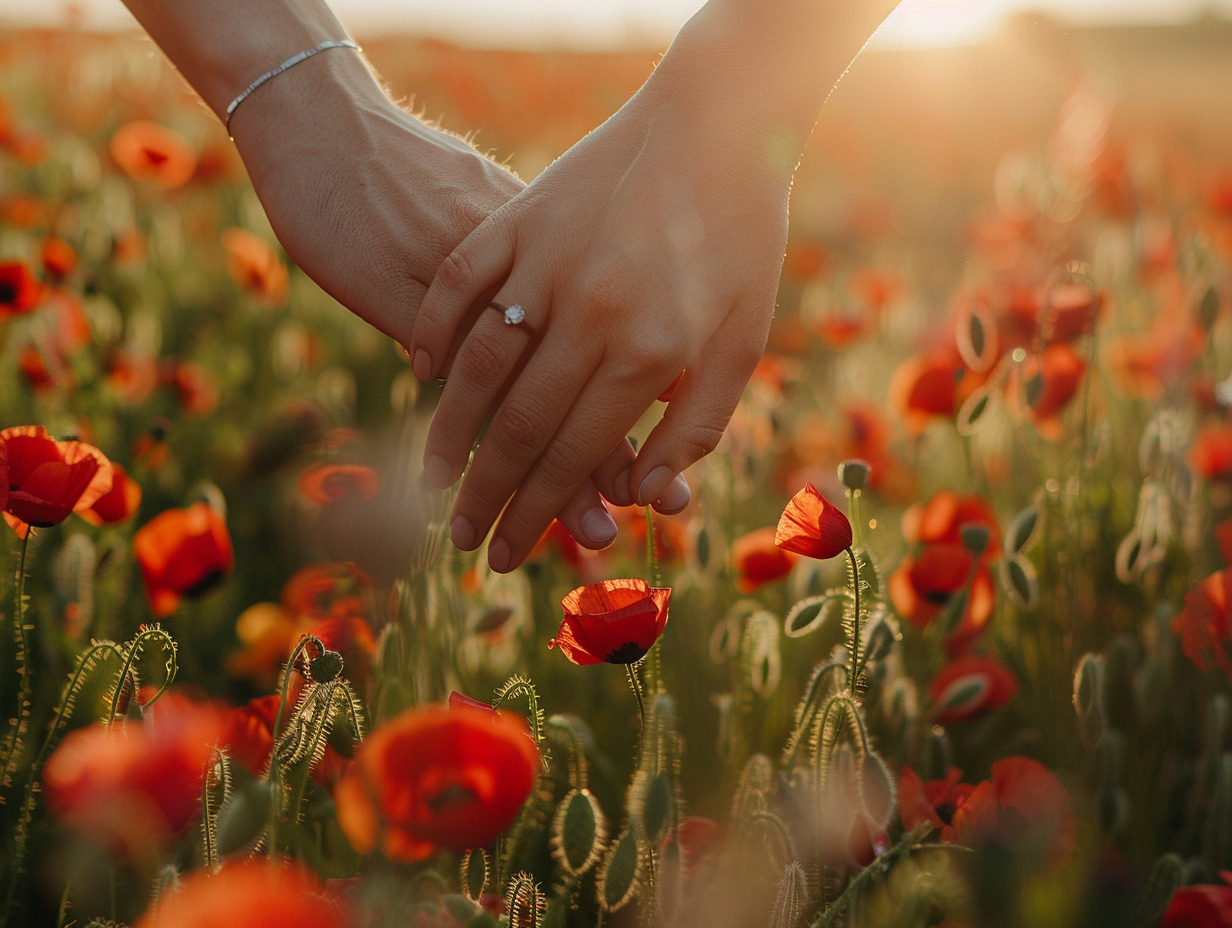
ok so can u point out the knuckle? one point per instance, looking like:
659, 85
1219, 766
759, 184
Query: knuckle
518, 429
699, 439
561, 464
456, 272
480, 362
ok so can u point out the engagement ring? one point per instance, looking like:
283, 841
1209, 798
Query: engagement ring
514, 315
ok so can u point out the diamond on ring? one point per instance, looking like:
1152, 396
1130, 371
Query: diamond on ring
514, 315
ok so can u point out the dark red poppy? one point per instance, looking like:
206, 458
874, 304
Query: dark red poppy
1023, 808
247, 894
933, 801
1060, 370
614, 621
247, 733
1202, 905
1204, 623
134, 785
813, 526
321, 484
119, 504
1072, 310
182, 552
464, 703
925, 387
969, 686
433, 778
20, 290
757, 560
329, 588
195, 387
923, 586
43, 480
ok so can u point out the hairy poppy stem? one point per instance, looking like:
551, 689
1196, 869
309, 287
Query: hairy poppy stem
855, 622
637, 693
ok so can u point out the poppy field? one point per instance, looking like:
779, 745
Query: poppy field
944, 638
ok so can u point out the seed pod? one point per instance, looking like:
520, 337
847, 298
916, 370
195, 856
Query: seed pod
618, 877
578, 832
790, 898
244, 816
475, 873
877, 791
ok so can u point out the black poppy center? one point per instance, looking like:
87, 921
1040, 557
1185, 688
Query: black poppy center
628, 653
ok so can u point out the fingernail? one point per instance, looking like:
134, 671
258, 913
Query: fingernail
621, 495
462, 533
498, 555
653, 486
675, 497
438, 473
421, 365
598, 529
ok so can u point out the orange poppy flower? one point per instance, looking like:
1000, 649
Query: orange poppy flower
43, 480
254, 264
195, 387
20, 291
1204, 623
119, 504
970, 686
922, 587
813, 526
134, 785
59, 258
1023, 809
1210, 455
842, 327
934, 801
147, 151
247, 894
182, 552
758, 560
327, 483
266, 634
941, 518
614, 621
432, 779
1146, 366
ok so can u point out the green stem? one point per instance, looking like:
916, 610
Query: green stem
878, 868
855, 625
13, 739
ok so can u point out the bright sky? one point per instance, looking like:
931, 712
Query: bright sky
614, 22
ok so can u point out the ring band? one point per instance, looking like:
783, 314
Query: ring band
514, 315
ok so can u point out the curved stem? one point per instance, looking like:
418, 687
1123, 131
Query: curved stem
637, 693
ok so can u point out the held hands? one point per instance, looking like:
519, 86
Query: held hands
369, 201
650, 248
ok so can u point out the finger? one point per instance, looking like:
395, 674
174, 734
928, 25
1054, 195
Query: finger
567, 460
695, 418
587, 519
489, 354
611, 477
475, 267
520, 431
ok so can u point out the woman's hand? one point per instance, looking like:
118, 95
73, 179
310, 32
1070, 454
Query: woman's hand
651, 248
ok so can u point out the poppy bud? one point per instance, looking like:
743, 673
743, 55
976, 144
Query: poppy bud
244, 816
854, 474
876, 789
792, 893
975, 537
325, 668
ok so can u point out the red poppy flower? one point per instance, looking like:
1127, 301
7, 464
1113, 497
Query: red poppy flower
254, 264
432, 779
615, 621
119, 504
922, 587
1203, 905
924, 387
465, 703
1210, 455
813, 526
970, 686
1023, 808
195, 387
59, 258
1204, 623
942, 517
330, 588
934, 801
247, 894
247, 732
20, 290
43, 480
1060, 370
758, 560
148, 151
321, 484
182, 552
134, 785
